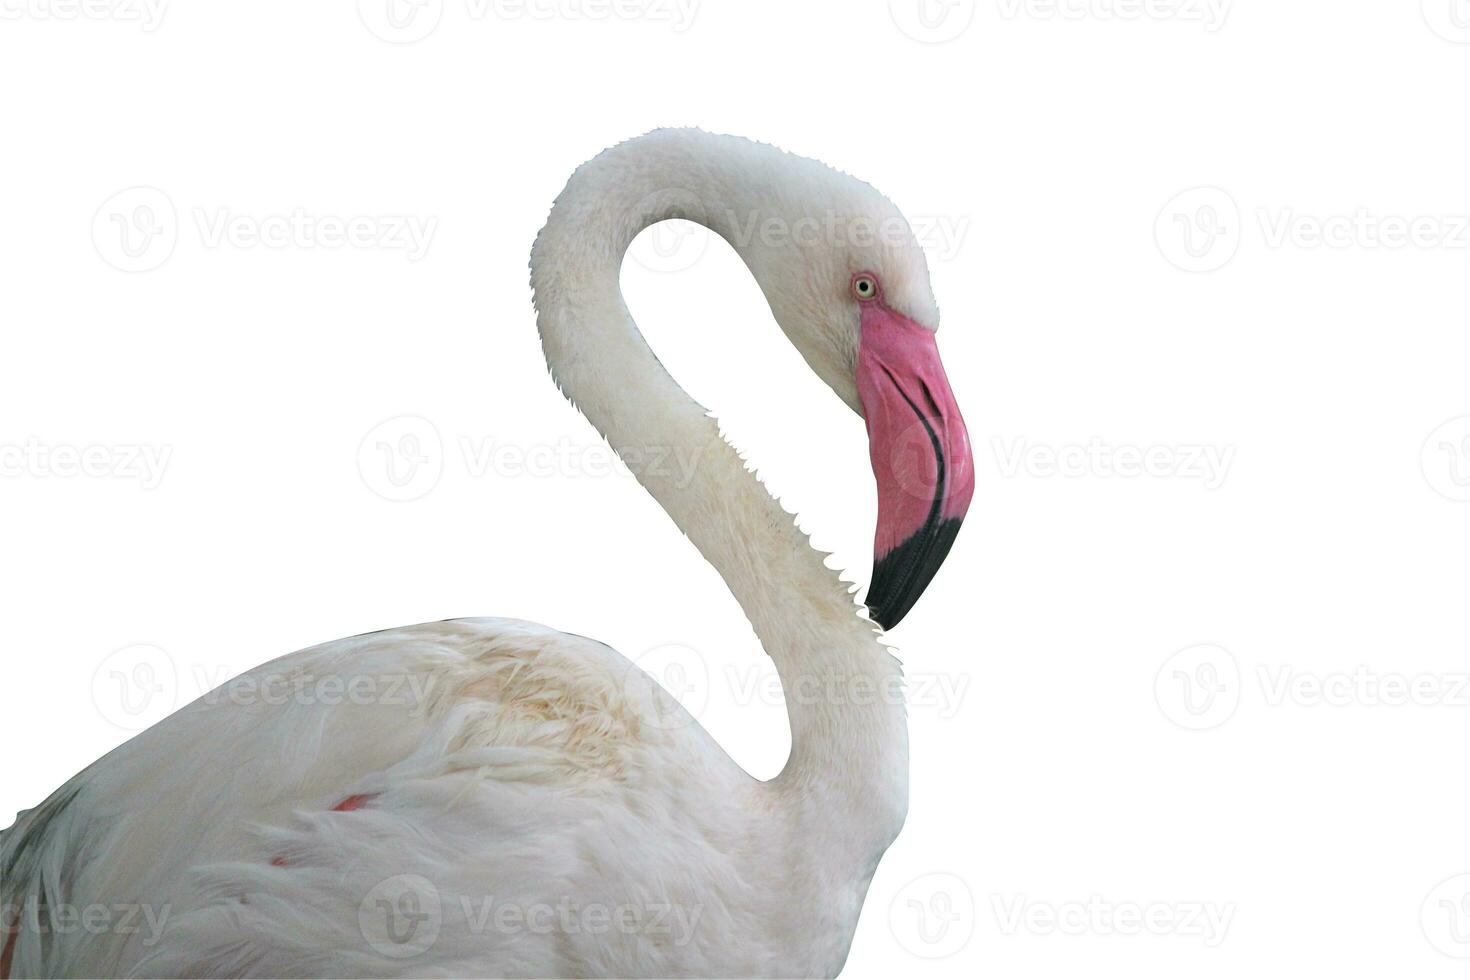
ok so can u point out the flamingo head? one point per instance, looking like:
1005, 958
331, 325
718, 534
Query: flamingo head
919, 448
862, 313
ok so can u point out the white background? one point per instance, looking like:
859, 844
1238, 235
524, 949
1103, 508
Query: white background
1178, 232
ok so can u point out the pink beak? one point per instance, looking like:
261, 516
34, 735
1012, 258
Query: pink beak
921, 457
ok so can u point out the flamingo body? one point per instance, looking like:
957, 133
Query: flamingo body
520, 796
494, 798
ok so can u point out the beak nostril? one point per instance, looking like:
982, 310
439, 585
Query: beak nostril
929, 401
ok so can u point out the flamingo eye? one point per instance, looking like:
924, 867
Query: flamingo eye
865, 287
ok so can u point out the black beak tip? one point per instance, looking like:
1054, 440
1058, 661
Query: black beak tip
888, 611
880, 616
902, 575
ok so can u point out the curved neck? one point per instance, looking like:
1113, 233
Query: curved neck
842, 686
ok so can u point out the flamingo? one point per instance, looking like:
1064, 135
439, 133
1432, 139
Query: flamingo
529, 803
